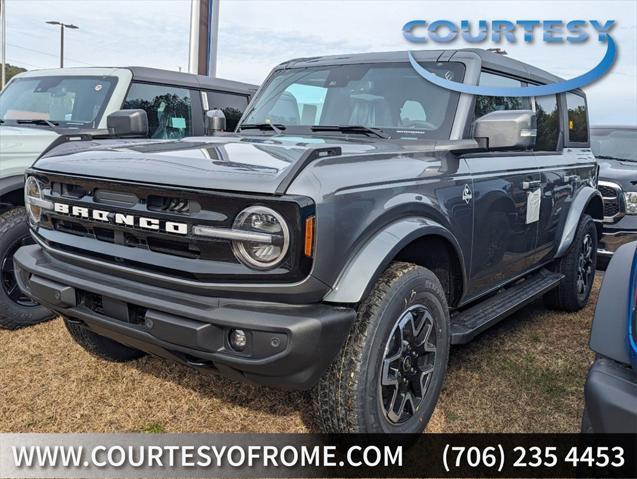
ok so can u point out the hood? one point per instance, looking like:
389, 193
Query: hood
622, 172
21, 146
231, 163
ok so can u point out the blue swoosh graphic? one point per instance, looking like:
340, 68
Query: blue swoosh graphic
535, 90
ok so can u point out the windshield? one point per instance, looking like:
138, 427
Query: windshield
620, 144
390, 97
66, 101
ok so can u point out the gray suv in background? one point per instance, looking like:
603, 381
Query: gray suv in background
358, 222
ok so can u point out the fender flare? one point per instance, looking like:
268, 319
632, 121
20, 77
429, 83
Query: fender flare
11, 183
363, 269
579, 204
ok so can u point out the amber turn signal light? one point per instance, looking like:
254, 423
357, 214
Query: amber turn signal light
309, 236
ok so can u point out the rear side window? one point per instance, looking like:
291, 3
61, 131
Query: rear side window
577, 118
548, 123
169, 109
232, 106
487, 104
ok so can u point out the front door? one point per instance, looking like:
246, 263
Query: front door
507, 189
506, 183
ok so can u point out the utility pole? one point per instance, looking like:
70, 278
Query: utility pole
62, 27
204, 35
3, 16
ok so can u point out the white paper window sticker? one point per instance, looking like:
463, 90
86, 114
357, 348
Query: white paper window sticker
533, 200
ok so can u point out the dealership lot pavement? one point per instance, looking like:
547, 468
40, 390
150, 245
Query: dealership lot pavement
525, 375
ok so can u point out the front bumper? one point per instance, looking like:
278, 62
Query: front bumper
616, 235
288, 345
611, 397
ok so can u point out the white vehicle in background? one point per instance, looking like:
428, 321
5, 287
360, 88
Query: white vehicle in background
44, 109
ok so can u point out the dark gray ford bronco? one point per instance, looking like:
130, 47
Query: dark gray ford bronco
358, 222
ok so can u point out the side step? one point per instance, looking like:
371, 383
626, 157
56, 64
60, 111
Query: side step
467, 324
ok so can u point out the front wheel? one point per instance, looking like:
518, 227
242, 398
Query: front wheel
389, 373
17, 310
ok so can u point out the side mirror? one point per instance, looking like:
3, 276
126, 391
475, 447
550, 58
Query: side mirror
215, 121
506, 129
128, 123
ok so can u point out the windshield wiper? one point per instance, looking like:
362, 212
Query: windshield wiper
365, 130
276, 127
48, 123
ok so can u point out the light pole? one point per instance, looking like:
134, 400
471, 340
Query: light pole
62, 27
204, 33
3, 40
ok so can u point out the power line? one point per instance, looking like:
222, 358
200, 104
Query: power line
17, 63
48, 54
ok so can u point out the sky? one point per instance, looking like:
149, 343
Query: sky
256, 35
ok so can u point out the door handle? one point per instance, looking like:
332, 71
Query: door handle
527, 185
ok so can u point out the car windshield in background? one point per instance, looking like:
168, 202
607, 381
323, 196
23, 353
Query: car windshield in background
620, 143
389, 97
57, 100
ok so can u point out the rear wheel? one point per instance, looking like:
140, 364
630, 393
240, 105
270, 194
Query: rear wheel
103, 348
578, 267
17, 310
388, 375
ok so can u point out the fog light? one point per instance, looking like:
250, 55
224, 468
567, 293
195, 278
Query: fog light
238, 339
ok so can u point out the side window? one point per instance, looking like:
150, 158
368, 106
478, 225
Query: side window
548, 123
169, 109
232, 106
577, 121
487, 104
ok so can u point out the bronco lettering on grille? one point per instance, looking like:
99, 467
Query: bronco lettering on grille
152, 224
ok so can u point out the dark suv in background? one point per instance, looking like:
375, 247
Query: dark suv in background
615, 148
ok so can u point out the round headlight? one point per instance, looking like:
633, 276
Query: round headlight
271, 244
32, 198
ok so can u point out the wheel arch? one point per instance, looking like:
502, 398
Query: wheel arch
11, 191
587, 201
418, 240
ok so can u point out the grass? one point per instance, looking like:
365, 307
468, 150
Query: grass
525, 375
153, 428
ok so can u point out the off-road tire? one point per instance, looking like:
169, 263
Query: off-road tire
14, 231
347, 397
99, 346
566, 297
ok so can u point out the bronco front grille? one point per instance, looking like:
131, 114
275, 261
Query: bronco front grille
612, 196
163, 250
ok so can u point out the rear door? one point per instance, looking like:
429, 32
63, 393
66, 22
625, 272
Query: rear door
557, 177
565, 170
505, 229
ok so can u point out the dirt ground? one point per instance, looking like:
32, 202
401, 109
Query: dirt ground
525, 375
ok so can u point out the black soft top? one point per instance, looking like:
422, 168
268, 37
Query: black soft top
190, 80
489, 60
